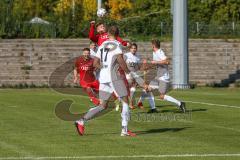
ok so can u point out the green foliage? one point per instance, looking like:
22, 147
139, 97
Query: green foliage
216, 11
145, 18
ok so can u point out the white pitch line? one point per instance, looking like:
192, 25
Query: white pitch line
12, 106
222, 127
133, 156
212, 104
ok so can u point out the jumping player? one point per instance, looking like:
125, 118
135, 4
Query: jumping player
109, 58
102, 34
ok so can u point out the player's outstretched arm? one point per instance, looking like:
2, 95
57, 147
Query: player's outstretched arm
124, 43
146, 65
91, 34
75, 75
163, 62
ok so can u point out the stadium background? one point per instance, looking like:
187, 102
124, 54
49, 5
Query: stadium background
27, 62
30, 62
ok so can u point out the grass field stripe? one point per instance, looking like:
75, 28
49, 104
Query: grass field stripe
133, 156
14, 148
212, 104
232, 129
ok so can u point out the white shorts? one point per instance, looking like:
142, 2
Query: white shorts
162, 86
107, 89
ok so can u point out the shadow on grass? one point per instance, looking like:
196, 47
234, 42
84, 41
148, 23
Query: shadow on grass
188, 110
161, 130
151, 131
174, 110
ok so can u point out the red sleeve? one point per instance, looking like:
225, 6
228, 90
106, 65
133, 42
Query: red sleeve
124, 43
76, 65
92, 35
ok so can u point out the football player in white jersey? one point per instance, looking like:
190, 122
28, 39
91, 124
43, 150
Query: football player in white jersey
133, 62
162, 80
109, 59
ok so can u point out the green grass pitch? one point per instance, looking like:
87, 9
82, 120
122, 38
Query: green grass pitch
30, 129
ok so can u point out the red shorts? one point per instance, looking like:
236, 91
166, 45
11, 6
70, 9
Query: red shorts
94, 85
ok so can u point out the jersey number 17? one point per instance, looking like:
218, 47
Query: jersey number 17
104, 53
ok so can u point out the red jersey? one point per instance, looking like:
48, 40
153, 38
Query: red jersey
100, 38
85, 69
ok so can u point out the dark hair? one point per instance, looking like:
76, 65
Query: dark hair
86, 49
113, 30
156, 43
134, 44
91, 42
99, 23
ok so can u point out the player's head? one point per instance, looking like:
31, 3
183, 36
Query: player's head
86, 53
101, 28
133, 48
113, 31
155, 44
93, 46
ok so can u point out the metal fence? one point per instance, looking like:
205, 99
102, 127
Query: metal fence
143, 28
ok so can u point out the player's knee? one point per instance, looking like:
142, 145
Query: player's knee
162, 96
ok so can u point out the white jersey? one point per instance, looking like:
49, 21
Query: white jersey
92, 53
132, 61
162, 70
107, 53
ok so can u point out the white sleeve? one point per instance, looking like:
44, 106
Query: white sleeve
118, 50
162, 55
138, 59
98, 54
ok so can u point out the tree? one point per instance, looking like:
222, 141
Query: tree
90, 9
214, 11
118, 8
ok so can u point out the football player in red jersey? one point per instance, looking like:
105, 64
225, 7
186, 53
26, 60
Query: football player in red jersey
84, 68
102, 34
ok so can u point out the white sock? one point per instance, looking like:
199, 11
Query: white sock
132, 91
171, 99
93, 112
81, 121
151, 100
125, 114
143, 95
